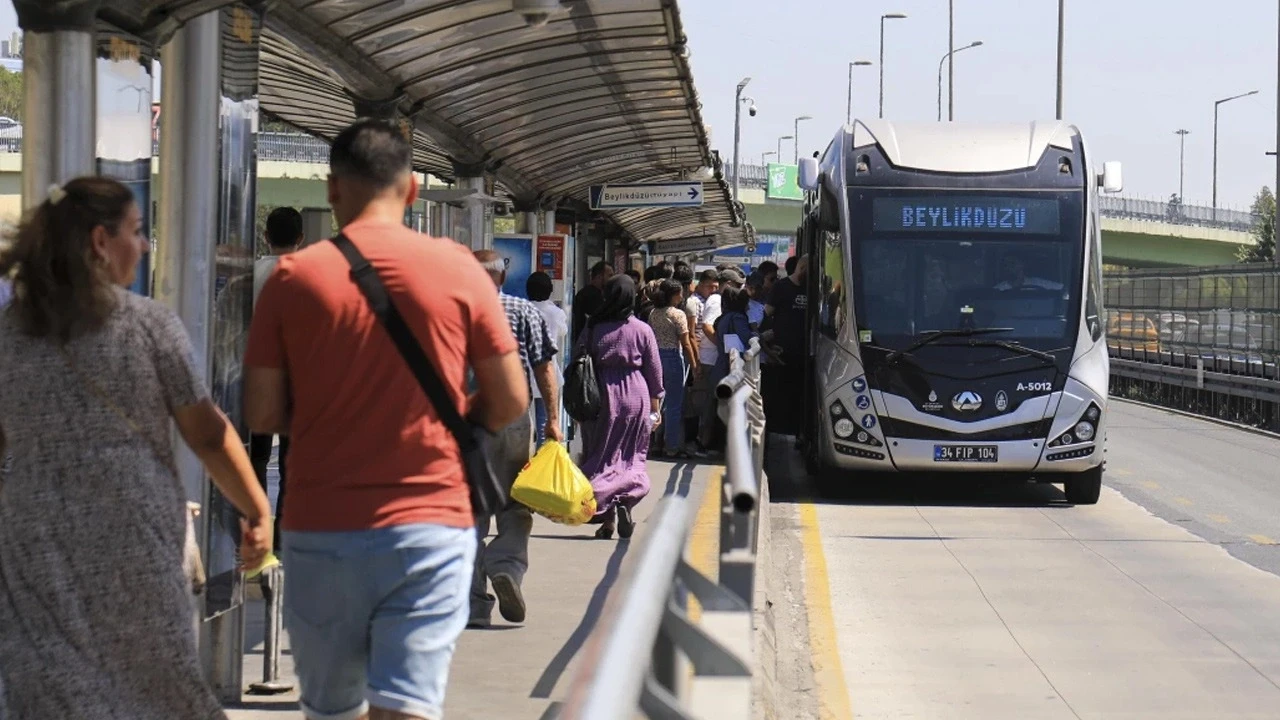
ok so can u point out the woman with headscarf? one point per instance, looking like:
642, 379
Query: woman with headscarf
628, 367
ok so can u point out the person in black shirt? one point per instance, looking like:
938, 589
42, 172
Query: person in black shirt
590, 298
782, 384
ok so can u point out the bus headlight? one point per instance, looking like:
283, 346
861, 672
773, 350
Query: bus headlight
844, 427
837, 409
1084, 430
1092, 413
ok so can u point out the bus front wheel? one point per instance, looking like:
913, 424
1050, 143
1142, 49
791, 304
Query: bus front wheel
1085, 487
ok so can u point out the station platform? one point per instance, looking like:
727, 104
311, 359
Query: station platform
520, 672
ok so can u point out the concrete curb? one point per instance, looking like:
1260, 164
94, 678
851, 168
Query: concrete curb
1187, 414
765, 673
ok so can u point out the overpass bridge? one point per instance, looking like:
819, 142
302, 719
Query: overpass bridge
1135, 233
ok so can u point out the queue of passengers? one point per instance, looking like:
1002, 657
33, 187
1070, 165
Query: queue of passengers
386, 559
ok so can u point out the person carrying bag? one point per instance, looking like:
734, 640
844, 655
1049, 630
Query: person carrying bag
488, 495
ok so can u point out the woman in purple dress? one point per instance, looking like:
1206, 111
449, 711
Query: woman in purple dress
625, 353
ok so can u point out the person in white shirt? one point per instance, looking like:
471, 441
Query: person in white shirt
283, 236
538, 287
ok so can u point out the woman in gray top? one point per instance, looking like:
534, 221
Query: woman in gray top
95, 608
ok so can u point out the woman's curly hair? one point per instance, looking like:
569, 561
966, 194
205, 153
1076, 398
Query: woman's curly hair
59, 289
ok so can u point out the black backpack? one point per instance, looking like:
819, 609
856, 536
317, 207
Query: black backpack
581, 387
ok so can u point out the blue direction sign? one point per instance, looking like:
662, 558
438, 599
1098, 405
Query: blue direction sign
637, 195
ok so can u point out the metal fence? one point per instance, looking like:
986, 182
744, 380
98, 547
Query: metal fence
272, 146
1202, 339
636, 660
1130, 208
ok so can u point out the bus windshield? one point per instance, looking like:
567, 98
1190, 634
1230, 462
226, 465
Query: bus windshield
943, 261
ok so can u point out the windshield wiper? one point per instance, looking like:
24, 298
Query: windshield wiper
930, 336
1017, 348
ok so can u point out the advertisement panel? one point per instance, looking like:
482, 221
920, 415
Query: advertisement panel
783, 183
517, 253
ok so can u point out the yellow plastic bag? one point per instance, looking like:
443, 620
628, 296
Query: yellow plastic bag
552, 486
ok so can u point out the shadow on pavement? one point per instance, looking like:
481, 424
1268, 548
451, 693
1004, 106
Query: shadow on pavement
679, 482
789, 483
547, 682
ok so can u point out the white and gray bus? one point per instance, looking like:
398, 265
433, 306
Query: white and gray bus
955, 302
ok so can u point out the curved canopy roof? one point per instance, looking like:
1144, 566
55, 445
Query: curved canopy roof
600, 93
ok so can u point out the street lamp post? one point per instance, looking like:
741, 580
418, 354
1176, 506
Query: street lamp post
848, 111
764, 157
951, 106
951, 69
1062, 16
890, 16
1182, 159
737, 131
1216, 105
780, 139
797, 136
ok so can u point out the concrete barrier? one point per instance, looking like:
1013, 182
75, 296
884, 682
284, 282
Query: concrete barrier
765, 675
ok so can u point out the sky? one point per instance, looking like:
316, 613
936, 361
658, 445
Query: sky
1135, 71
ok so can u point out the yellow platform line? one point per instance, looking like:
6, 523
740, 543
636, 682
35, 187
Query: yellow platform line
1223, 519
833, 693
704, 537
1263, 540
1183, 501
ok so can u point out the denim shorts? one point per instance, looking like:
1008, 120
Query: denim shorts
374, 616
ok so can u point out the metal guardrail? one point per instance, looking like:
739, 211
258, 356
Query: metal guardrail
646, 614
1130, 208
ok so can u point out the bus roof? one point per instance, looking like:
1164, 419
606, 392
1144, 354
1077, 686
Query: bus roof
963, 147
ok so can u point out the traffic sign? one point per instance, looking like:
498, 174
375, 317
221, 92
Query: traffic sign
639, 195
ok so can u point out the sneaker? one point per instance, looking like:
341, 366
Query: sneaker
510, 599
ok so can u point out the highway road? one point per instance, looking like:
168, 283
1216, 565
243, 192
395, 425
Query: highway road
959, 599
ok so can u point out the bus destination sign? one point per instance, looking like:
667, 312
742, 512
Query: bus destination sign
966, 214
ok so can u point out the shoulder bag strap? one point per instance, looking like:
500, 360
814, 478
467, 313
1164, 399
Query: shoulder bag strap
366, 278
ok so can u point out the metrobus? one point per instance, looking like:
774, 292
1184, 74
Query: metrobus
955, 302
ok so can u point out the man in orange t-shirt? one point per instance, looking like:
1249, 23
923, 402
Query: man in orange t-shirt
378, 540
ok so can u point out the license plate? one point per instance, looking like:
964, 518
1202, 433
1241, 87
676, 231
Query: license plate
965, 453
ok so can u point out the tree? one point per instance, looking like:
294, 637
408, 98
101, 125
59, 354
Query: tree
11, 94
1264, 230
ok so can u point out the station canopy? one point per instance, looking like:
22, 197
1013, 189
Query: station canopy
602, 93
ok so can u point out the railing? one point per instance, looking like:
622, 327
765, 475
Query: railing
1206, 340
1129, 208
646, 616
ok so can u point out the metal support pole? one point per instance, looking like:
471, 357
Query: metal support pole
1216, 105
848, 105
737, 132
882, 67
272, 581
549, 221
532, 222
59, 116
1182, 161
477, 233
1061, 37
188, 225
951, 69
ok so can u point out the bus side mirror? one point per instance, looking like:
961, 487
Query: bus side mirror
807, 174
1112, 177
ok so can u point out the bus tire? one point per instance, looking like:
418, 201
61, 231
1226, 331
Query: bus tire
1084, 488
